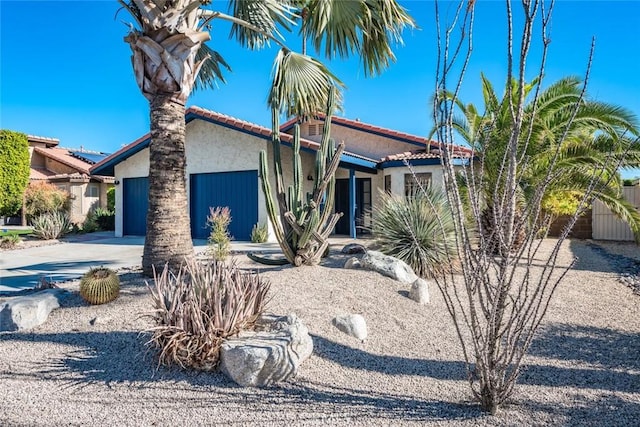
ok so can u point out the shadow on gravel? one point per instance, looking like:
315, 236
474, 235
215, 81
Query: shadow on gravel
110, 359
593, 257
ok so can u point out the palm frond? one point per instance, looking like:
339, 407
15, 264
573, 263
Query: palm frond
301, 85
265, 15
211, 70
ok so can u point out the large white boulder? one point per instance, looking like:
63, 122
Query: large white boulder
271, 353
352, 324
29, 311
388, 266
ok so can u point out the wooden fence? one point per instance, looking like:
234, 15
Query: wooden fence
606, 226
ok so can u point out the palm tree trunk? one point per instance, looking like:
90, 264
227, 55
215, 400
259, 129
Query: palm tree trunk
168, 239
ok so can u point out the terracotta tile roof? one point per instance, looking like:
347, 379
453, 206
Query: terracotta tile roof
460, 153
218, 118
63, 156
40, 173
43, 139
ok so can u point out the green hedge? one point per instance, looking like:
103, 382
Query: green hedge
14, 170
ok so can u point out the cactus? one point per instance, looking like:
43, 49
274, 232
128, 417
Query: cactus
303, 223
99, 286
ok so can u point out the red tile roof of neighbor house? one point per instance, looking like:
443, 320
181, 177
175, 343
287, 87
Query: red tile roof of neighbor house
64, 156
43, 139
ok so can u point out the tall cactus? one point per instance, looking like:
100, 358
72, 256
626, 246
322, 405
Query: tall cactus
302, 223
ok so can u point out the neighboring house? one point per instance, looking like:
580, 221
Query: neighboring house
222, 170
68, 169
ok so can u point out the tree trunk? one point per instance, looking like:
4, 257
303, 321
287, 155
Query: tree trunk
168, 239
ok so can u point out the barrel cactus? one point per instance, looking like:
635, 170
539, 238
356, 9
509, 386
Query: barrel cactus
99, 286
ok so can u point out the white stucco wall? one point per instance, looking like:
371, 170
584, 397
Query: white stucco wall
360, 142
397, 176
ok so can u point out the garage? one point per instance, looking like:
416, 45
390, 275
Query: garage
238, 190
135, 198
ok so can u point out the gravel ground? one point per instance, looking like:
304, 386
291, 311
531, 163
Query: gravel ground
87, 365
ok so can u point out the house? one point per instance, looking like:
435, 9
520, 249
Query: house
68, 169
222, 170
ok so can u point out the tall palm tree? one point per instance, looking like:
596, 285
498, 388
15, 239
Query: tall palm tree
170, 59
597, 139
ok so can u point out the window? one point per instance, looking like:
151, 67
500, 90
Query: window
387, 183
92, 191
315, 129
412, 183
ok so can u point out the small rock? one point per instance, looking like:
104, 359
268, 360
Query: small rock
353, 263
270, 354
419, 291
388, 266
29, 311
351, 324
99, 320
354, 248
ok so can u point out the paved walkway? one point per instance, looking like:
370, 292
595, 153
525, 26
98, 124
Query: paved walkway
22, 268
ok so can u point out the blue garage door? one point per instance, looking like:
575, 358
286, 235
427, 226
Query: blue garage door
135, 201
237, 190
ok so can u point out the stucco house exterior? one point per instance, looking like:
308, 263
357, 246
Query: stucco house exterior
222, 170
68, 169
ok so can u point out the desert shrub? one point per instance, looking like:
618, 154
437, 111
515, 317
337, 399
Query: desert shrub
111, 199
89, 225
10, 241
105, 218
259, 233
219, 238
99, 286
418, 230
198, 307
51, 225
41, 198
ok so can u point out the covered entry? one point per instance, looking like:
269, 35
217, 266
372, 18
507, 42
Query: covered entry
135, 202
362, 206
237, 190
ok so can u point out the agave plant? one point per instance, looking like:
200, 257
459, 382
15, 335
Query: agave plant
417, 229
51, 225
198, 307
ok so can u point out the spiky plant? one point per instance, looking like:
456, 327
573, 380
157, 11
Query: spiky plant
259, 233
51, 225
99, 285
417, 229
198, 307
219, 239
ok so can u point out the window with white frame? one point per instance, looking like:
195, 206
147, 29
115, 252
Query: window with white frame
413, 182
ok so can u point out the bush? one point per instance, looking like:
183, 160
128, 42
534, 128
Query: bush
418, 230
105, 218
41, 198
51, 225
111, 199
200, 306
10, 241
14, 170
219, 238
259, 233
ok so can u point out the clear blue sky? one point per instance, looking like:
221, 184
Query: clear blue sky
65, 70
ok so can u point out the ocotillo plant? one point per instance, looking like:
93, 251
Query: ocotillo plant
304, 221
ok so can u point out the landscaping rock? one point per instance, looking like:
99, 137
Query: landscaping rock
354, 248
353, 263
29, 311
388, 266
420, 291
351, 324
271, 353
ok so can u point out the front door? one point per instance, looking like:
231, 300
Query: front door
363, 206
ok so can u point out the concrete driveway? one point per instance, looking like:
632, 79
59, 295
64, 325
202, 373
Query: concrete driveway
21, 269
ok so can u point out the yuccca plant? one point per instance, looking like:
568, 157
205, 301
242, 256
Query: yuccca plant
417, 229
503, 295
219, 240
51, 225
199, 306
303, 222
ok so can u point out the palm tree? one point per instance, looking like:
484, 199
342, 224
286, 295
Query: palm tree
597, 139
170, 59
